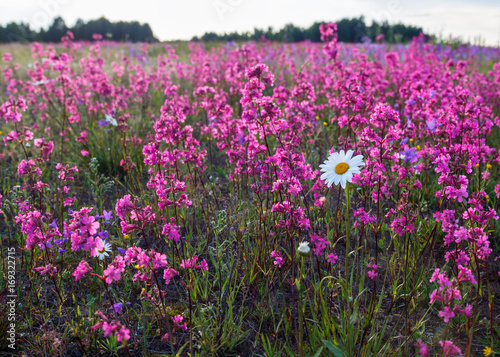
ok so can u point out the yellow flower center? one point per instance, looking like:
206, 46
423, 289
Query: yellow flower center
341, 168
102, 250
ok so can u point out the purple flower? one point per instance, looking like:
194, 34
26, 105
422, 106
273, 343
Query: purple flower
53, 224
409, 154
104, 234
122, 251
62, 250
431, 124
107, 215
47, 244
118, 307
60, 241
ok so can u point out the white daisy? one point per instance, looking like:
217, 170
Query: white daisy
340, 166
102, 249
111, 120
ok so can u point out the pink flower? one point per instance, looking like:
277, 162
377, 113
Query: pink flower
124, 206
127, 228
108, 328
89, 224
320, 243
159, 260
332, 258
84, 153
203, 265
436, 296
171, 230
422, 348
25, 167
466, 312
48, 269
123, 334
168, 274
81, 270
189, 263
112, 273
447, 314
278, 259
449, 349
372, 273
177, 319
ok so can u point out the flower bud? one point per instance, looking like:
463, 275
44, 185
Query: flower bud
303, 249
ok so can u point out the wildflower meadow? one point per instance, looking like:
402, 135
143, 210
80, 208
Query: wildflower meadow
249, 199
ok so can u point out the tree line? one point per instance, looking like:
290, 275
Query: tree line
349, 30
116, 31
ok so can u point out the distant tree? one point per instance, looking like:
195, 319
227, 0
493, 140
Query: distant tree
57, 30
119, 31
313, 32
352, 30
349, 30
291, 33
257, 34
209, 37
13, 32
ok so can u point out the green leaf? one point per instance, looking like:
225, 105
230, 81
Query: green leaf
334, 349
317, 354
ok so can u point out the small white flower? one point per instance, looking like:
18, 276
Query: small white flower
111, 120
303, 248
102, 250
38, 83
340, 167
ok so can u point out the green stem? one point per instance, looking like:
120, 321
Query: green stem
347, 198
301, 307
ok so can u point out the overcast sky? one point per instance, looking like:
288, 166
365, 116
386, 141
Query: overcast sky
183, 19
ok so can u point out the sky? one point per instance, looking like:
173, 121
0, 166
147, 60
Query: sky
472, 20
